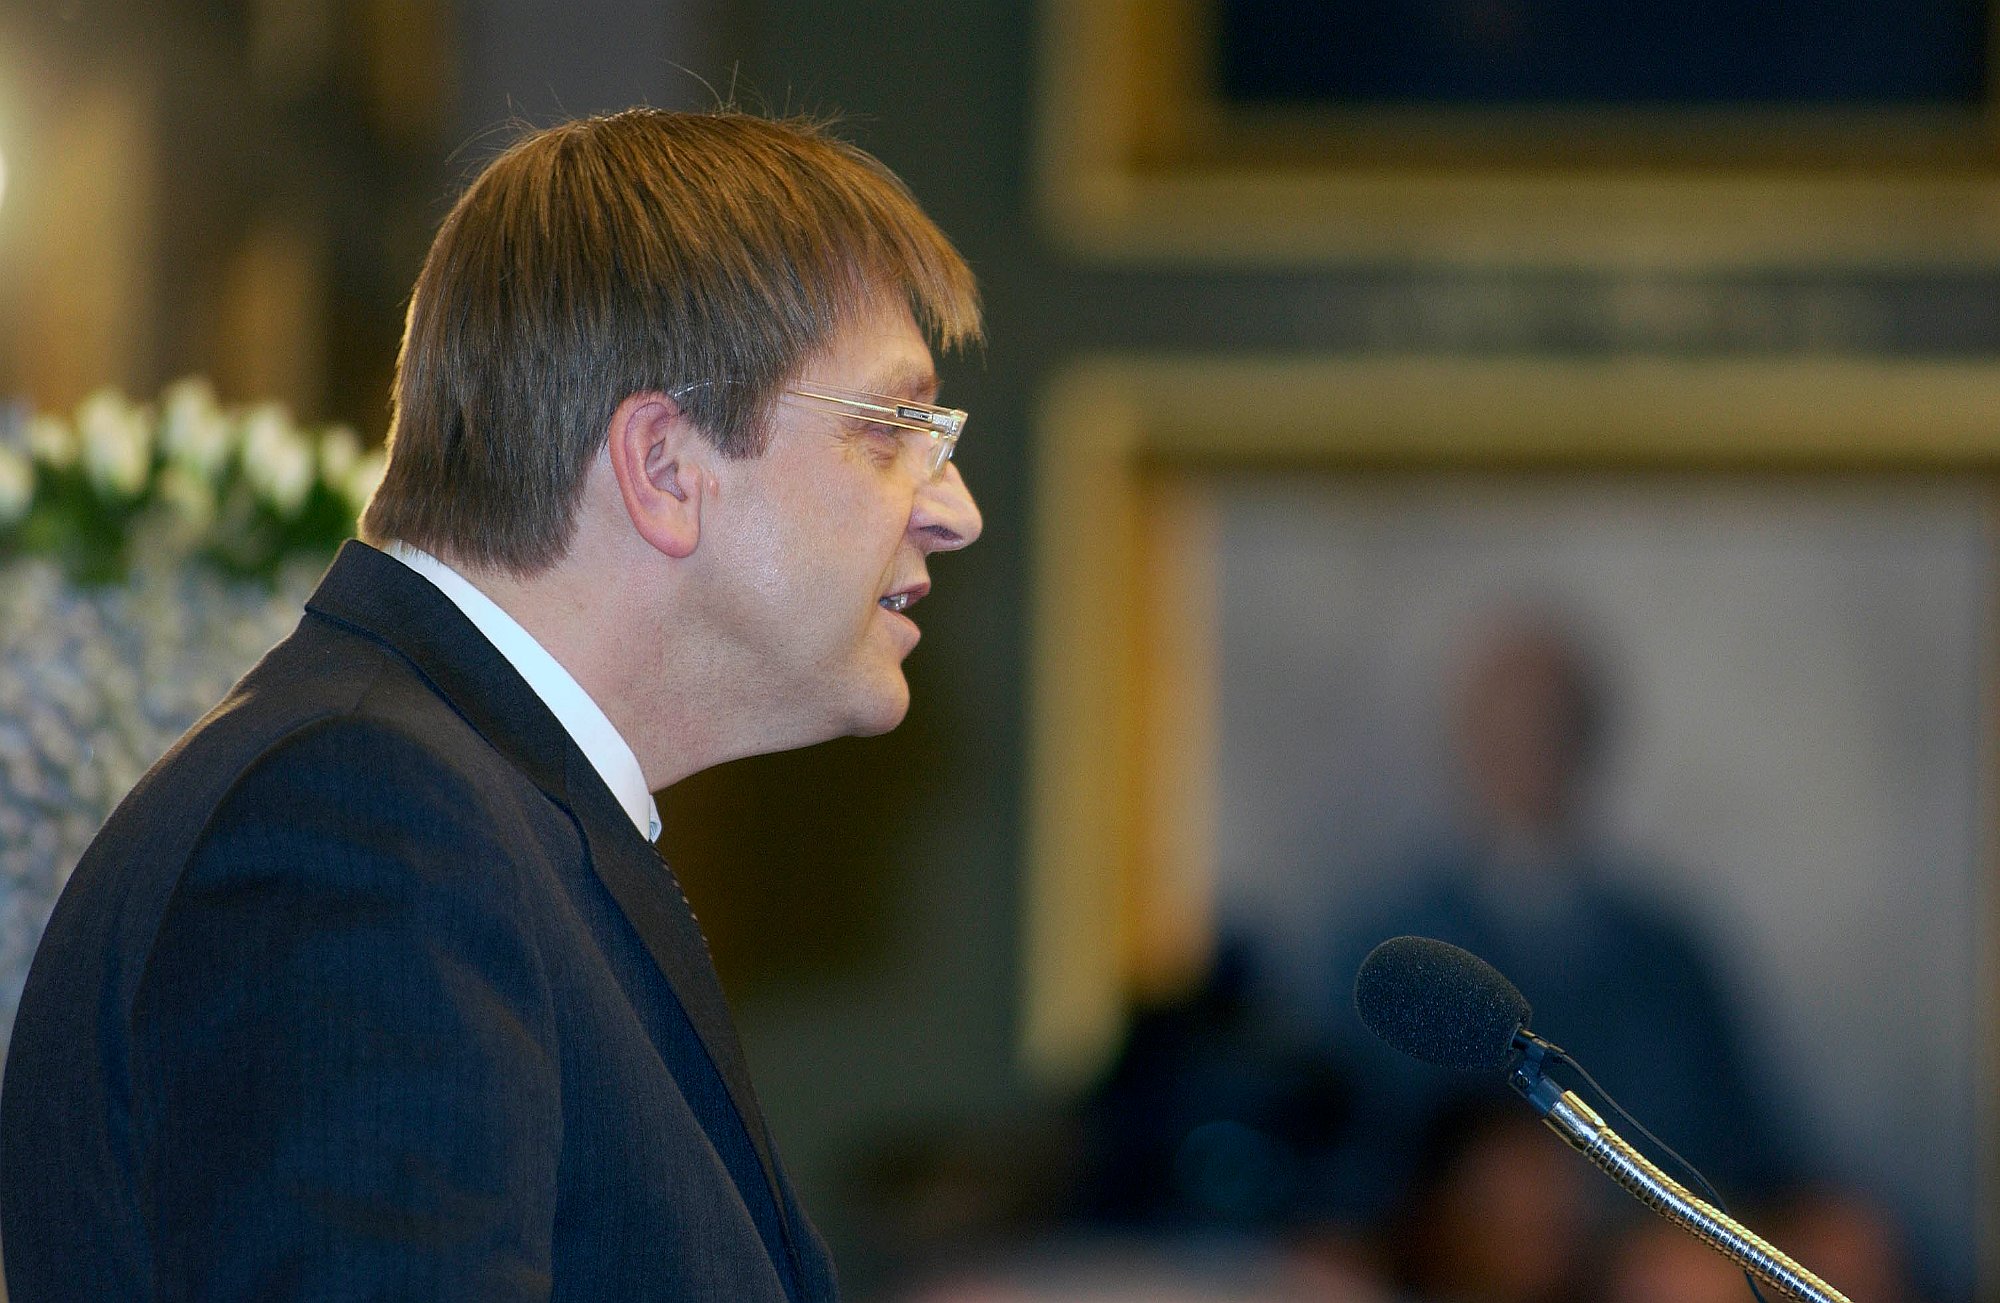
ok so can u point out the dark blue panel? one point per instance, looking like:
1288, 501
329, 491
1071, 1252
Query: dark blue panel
1357, 53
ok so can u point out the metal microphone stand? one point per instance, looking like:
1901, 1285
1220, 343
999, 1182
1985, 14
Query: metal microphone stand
1575, 1121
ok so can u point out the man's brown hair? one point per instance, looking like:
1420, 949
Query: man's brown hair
705, 255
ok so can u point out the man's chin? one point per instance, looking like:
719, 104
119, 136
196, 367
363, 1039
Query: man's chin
884, 709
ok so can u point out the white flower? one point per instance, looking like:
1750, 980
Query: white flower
17, 484
367, 477
194, 432
339, 450
277, 459
189, 495
117, 443
52, 441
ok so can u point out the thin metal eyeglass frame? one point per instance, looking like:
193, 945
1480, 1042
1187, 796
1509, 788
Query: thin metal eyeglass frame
942, 424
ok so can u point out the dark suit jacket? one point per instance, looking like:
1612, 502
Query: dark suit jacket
370, 989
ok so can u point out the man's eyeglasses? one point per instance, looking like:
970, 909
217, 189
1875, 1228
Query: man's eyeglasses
942, 424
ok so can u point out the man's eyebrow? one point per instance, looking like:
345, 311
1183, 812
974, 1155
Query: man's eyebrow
917, 383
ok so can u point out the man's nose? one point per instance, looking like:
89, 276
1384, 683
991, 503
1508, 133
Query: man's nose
946, 518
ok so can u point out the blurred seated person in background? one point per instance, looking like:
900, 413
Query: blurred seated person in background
1211, 1127
1209, 1115
1497, 1210
1658, 1263
1846, 1241
1618, 979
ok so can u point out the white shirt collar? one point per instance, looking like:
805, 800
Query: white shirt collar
593, 733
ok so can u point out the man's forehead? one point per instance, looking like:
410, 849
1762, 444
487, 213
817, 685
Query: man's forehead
881, 350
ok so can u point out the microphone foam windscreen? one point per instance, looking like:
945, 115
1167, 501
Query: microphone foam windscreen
1436, 1002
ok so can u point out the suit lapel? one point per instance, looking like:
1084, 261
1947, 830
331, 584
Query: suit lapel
652, 900
383, 599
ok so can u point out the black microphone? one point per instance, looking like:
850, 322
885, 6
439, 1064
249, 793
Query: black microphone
1448, 1007
1443, 1005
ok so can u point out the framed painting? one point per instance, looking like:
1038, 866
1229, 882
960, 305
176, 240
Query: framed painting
1792, 563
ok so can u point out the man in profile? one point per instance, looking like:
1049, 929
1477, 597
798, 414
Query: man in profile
375, 987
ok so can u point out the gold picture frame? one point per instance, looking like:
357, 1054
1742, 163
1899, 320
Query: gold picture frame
1138, 158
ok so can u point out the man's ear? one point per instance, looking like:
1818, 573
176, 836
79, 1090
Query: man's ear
657, 455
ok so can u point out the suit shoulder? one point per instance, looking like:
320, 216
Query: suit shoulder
379, 789
323, 697
332, 747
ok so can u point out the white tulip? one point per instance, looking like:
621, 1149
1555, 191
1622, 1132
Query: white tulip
194, 432
117, 443
277, 460
190, 495
17, 484
52, 441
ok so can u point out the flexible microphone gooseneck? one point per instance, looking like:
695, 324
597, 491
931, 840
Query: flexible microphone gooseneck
1448, 1007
